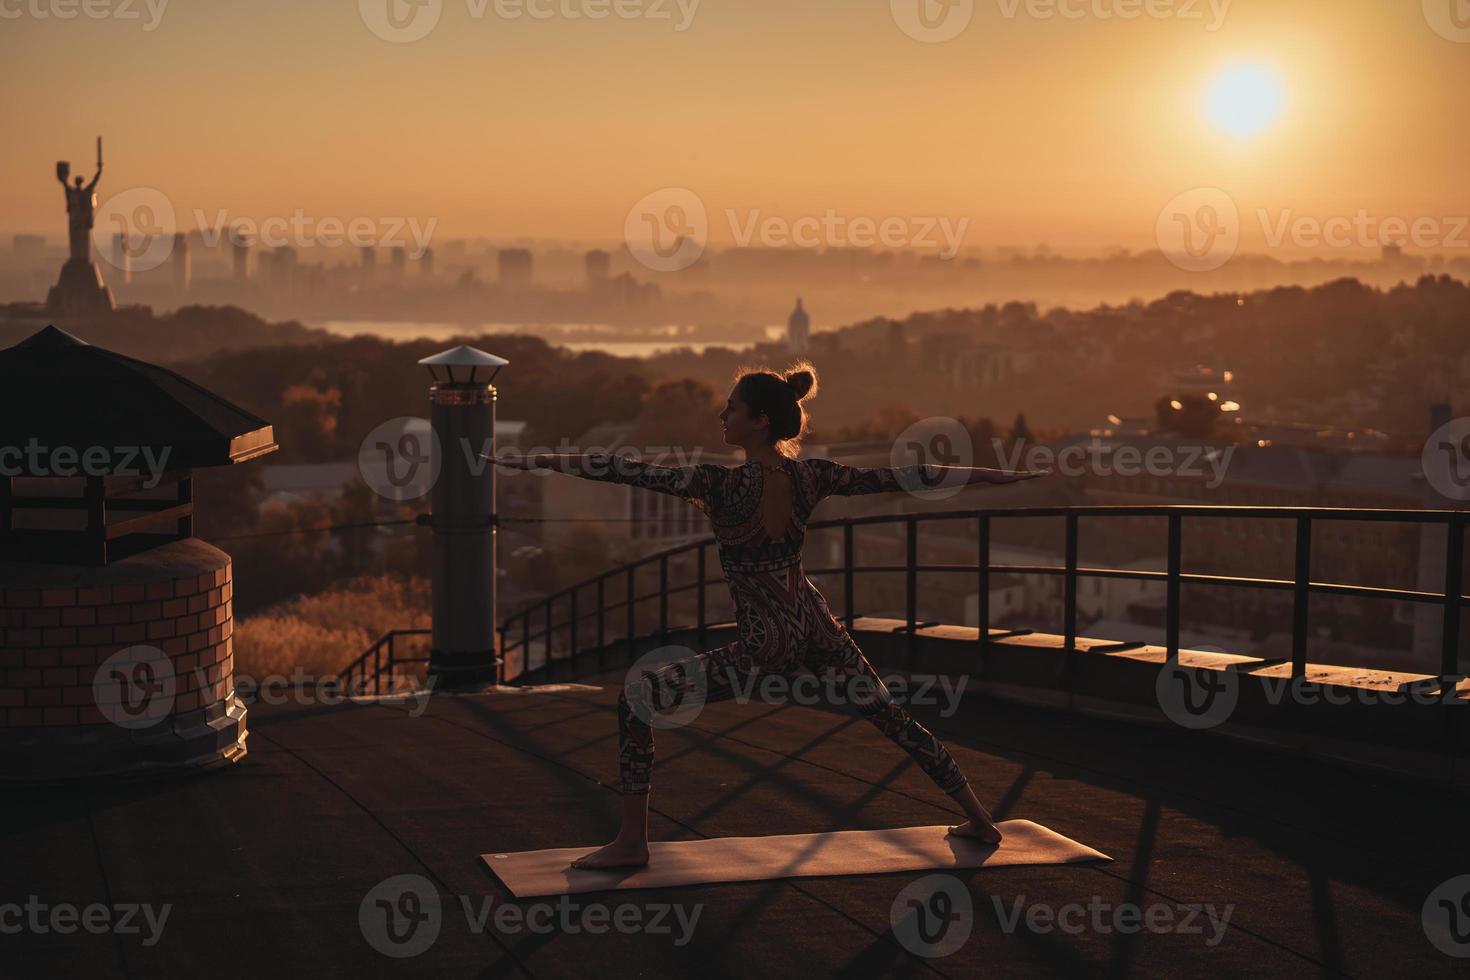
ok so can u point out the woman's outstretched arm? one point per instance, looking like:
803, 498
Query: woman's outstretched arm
698, 483
839, 479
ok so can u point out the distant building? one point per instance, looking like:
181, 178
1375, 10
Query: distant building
369, 258
28, 246
515, 268
397, 262
120, 258
1202, 379
624, 290
988, 365
599, 267
426, 263
240, 253
283, 269
799, 328
182, 263
290, 483
1112, 471
633, 514
1433, 540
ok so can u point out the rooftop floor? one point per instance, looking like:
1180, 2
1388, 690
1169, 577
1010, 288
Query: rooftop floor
264, 864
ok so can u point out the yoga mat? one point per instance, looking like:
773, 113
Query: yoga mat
529, 874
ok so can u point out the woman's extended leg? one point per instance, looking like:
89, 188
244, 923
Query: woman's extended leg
862, 686
667, 696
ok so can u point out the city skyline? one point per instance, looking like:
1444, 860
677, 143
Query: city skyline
484, 126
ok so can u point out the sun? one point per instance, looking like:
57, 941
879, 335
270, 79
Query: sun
1245, 100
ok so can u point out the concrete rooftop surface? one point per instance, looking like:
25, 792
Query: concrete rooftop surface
263, 867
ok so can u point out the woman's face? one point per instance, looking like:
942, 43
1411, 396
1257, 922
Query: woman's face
740, 429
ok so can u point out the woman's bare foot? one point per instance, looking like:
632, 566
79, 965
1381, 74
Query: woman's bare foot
986, 833
618, 854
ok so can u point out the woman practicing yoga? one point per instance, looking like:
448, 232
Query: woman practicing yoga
759, 511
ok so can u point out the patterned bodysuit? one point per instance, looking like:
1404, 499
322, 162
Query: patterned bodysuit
784, 625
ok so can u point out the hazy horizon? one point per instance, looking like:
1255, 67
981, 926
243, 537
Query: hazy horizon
555, 128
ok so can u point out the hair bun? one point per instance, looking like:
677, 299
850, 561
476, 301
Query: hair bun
801, 383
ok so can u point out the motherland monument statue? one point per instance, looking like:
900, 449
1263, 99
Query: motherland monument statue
81, 289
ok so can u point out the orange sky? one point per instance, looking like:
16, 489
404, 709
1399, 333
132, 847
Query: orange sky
1073, 131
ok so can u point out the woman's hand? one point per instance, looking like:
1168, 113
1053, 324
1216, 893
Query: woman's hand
517, 460
1010, 476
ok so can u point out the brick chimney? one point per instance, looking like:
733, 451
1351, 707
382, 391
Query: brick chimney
116, 657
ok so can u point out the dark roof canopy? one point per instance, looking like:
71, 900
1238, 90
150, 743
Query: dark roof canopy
57, 391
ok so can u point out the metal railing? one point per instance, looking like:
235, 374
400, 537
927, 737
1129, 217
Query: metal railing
1300, 585
369, 668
